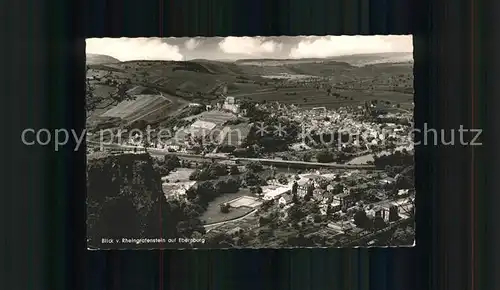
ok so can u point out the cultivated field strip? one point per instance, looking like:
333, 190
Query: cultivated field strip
137, 104
125, 108
117, 111
130, 109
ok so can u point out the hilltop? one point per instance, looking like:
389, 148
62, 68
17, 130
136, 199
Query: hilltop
204, 76
377, 58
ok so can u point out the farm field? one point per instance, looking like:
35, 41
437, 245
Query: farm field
309, 98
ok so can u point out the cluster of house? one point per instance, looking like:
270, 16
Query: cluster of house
324, 197
343, 203
307, 184
324, 121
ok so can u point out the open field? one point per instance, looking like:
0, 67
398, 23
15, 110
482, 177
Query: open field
309, 98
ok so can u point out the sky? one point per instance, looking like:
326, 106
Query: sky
232, 48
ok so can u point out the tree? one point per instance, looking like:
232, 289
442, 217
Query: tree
251, 179
160, 168
234, 170
379, 223
263, 221
224, 208
254, 166
323, 183
282, 179
200, 175
404, 182
309, 191
217, 169
171, 161
330, 210
91, 99
324, 156
266, 204
307, 157
118, 218
265, 233
361, 220
393, 213
219, 186
197, 149
172, 217
313, 208
403, 236
296, 213
206, 191
191, 193
232, 185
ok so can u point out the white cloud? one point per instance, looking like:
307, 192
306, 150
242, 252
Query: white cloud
327, 46
192, 43
253, 46
126, 49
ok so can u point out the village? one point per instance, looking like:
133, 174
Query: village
268, 204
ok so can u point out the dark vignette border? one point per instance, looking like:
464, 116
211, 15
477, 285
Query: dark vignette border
43, 66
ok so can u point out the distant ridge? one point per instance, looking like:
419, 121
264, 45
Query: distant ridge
99, 59
376, 58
